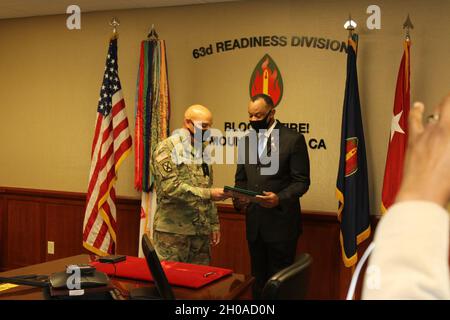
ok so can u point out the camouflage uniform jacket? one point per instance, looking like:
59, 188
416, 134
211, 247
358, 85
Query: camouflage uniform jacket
184, 204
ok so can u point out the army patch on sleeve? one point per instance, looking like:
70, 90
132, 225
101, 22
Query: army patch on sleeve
167, 166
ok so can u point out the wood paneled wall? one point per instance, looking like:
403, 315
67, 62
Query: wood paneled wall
31, 218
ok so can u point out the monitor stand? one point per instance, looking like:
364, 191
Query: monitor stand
145, 293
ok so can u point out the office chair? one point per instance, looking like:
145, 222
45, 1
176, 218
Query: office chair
162, 290
290, 283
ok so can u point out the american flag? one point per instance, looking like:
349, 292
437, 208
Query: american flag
112, 143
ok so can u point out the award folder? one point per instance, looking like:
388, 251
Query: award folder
242, 193
177, 273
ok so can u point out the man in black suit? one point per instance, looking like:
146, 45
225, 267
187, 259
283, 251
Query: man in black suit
276, 164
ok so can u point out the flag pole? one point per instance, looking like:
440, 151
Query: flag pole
114, 23
408, 26
350, 26
100, 223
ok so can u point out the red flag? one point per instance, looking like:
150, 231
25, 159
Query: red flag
399, 133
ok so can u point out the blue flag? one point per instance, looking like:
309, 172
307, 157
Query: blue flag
352, 182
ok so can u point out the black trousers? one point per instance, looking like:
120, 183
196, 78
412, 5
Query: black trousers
267, 258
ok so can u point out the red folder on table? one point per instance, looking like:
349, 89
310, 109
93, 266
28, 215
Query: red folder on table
177, 273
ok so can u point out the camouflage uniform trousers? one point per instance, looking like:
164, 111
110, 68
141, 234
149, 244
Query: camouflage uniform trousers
182, 248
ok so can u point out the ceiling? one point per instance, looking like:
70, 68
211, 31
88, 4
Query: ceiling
29, 8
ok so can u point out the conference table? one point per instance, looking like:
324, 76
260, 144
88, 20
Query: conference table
232, 287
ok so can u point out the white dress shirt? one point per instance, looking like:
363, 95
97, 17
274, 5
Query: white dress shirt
262, 138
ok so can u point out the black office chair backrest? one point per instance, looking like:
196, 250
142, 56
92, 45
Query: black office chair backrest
159, 277
290, 283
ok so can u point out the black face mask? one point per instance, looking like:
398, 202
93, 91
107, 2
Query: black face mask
197, 132
261, 124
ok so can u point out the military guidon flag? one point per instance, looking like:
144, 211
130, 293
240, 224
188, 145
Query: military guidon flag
152, 124
352, 188
398, 138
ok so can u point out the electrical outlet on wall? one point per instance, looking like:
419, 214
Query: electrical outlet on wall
50, 247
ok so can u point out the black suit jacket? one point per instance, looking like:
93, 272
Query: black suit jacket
290, 182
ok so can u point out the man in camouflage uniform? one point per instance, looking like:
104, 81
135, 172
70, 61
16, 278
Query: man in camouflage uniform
186, 220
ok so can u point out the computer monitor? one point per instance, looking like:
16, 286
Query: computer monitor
163, 289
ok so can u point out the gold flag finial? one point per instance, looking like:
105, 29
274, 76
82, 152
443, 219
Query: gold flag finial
408, 26
114, 23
